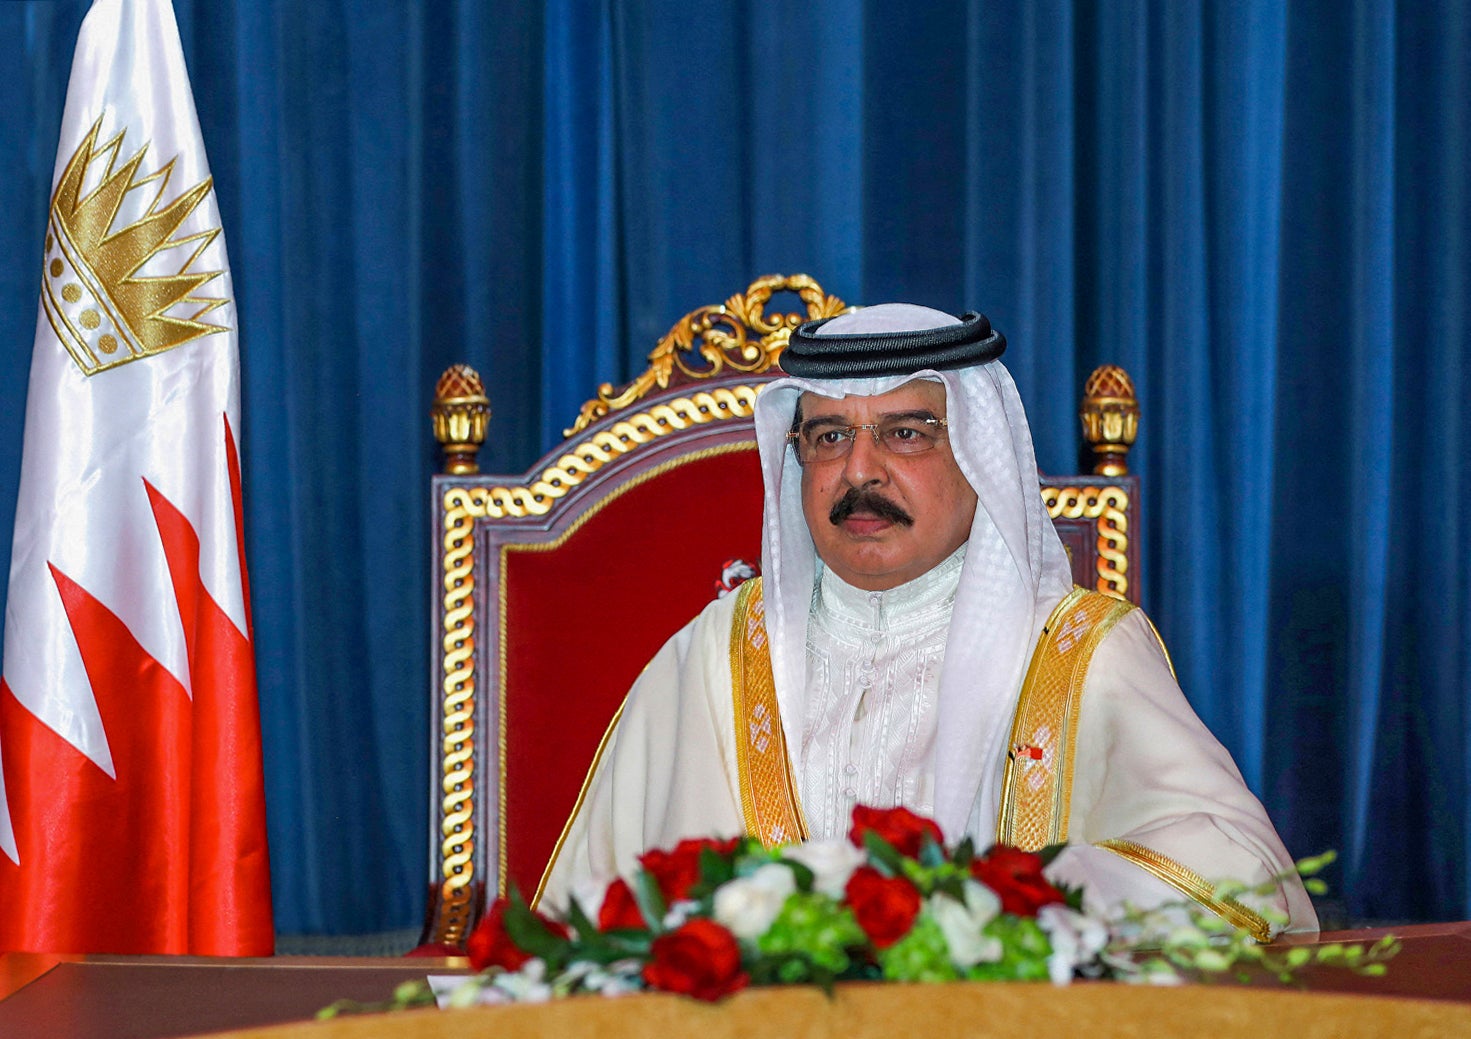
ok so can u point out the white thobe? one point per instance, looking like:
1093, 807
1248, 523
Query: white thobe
873, 675
1146, 769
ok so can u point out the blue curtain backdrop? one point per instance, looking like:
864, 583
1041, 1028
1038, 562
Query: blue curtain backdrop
1259, 208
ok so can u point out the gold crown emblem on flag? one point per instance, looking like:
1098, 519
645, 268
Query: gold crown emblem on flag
110, 294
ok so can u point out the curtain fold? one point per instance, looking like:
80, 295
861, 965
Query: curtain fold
1260, 209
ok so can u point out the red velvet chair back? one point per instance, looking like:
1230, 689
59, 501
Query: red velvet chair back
553, 589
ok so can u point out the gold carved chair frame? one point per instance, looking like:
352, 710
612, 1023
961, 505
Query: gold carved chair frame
696, 395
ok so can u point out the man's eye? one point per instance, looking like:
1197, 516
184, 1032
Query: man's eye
830, 437
905, 434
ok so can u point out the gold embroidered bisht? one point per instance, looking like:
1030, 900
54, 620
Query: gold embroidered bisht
1154, 803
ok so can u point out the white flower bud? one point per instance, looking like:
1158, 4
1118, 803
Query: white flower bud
748, 905
1076, 940
962, 925
832, 863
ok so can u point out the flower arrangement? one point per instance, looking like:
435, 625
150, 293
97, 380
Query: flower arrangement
707, 918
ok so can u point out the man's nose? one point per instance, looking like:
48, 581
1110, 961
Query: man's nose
866, 462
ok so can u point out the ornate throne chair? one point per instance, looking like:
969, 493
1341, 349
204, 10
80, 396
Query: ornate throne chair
554, 588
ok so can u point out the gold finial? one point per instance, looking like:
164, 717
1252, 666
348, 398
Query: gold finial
461, 413
1110, 416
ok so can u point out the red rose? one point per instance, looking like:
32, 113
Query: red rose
700, 959
885, 907
899, 826
619, 910
1016, 877
491, 946
678, 869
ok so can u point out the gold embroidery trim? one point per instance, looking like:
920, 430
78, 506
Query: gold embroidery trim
577, 807
1108, 508
769, 800
1036, 796
1193, 885
1162, 647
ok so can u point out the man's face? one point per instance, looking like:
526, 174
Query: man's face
872, 547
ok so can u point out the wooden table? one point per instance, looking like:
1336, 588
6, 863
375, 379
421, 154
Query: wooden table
1427, 992
163, 997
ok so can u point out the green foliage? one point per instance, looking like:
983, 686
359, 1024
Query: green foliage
406, 996
921, 955
884, 856
815, 938
800, 873
1024, 951
1210, 948
532, 935
650, 901
815, 930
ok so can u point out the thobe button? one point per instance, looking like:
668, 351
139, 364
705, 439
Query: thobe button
850, 792
851, 769
876, 597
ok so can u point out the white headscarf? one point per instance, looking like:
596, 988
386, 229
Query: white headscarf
1015, 567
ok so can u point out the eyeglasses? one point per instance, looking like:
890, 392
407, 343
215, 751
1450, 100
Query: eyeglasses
900, 435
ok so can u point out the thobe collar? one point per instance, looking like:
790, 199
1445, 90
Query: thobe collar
921, 601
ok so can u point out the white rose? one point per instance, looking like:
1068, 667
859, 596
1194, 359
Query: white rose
1076, 940
527, 985
962, 923
473, 991
618, 978
832, 863
748, 905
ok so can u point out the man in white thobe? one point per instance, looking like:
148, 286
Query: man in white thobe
910, 572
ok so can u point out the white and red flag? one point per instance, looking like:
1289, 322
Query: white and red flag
132, 812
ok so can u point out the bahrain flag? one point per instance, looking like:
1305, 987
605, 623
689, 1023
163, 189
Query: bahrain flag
132, 811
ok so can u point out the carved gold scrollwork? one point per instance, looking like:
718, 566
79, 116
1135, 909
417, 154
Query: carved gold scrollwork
457, 866
608, 444
1108, 508
721, 338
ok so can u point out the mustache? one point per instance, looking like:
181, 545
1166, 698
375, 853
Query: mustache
871, 502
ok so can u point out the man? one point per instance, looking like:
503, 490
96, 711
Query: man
916, 640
